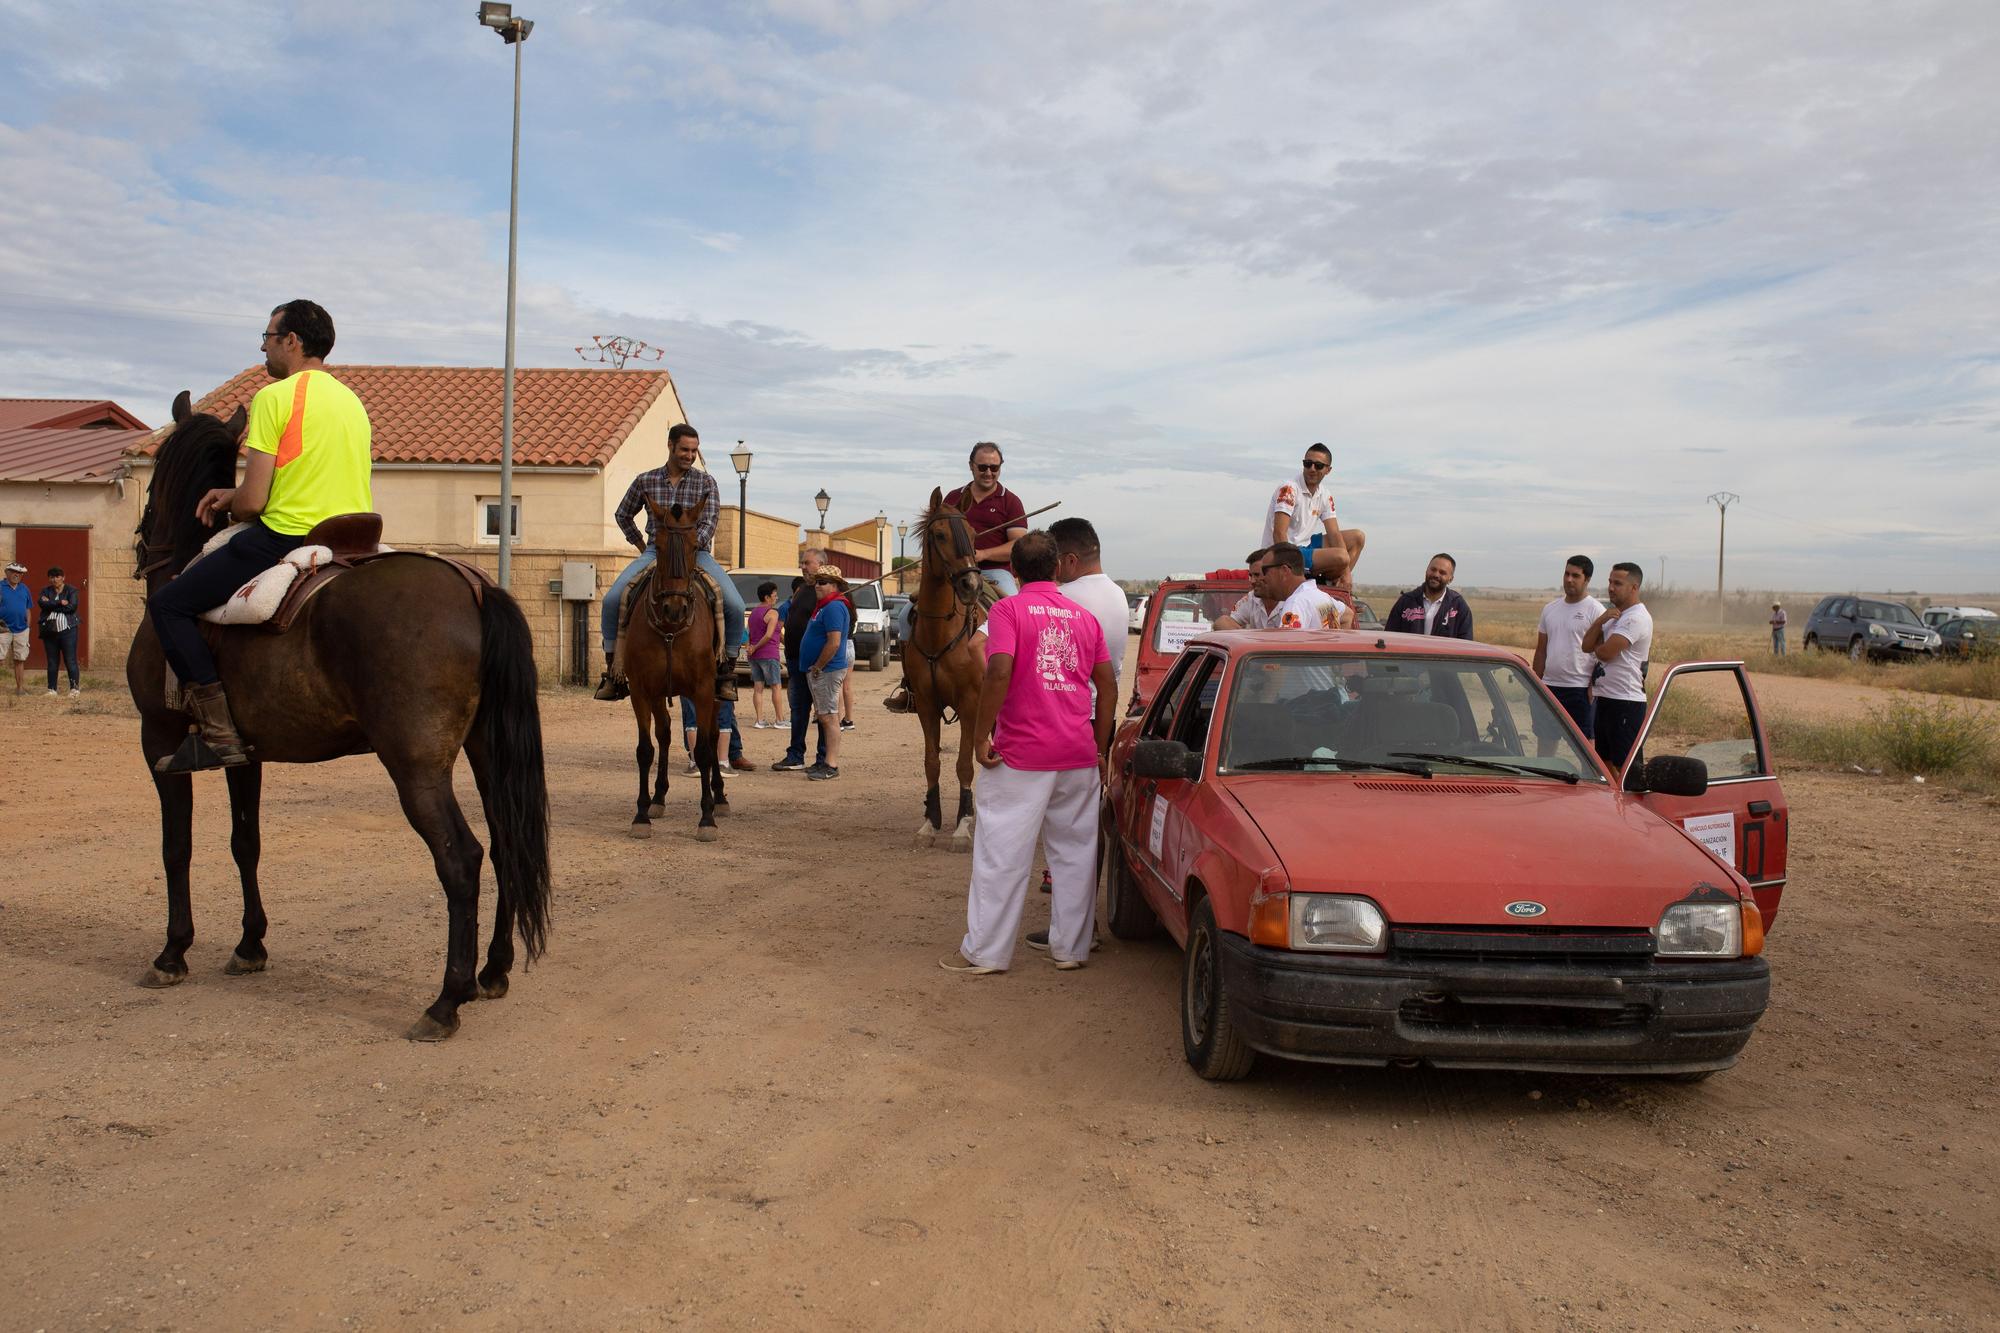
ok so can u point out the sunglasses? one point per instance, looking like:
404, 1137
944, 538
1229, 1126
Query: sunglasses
1314, 465
985, 467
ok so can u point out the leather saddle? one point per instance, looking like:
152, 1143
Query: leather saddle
354, 540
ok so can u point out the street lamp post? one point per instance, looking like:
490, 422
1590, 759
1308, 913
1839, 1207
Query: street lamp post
902, 531
740, 456
822, 500
514, 32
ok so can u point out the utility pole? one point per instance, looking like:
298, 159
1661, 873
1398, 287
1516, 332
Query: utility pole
1721, 500
513, 31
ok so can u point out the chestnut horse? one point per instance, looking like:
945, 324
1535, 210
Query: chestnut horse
670, 649
946, 670
393, 657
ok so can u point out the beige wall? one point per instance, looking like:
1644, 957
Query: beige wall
116, 601
773, 541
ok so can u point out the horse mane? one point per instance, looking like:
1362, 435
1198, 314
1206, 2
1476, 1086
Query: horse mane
196, 457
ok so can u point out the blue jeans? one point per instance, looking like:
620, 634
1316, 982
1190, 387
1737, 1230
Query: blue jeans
725, 722
1778, 640
209, 583
61, 648
799, 693
735, 628
1003, 579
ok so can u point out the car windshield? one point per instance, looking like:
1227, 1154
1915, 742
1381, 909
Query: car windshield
1328, 712
867, 596
1893, 612
1185, 613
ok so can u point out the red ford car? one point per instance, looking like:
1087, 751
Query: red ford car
1390, 849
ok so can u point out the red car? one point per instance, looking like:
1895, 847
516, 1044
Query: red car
1183, 607
1391, 849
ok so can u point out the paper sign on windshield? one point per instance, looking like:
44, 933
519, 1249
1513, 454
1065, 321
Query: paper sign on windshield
1156, 837
1175, 636
1715, 832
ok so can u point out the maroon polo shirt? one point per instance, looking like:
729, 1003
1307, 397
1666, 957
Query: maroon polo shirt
991, 518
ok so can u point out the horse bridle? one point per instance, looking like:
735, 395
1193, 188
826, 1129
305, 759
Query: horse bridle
670, 610
963, 562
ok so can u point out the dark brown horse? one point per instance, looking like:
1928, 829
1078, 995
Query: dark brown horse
943, 668
670, 650
392, 657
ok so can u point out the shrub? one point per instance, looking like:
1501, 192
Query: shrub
1929, 736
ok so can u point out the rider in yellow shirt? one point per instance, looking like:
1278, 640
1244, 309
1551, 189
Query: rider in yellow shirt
306, 459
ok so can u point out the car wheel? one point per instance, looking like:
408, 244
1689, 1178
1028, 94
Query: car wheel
879, 660
1125, 909
1690, 1076
1209, 1037
1812, 643
1857, 649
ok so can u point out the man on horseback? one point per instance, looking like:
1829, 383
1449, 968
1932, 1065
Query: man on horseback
685, 483
306, 459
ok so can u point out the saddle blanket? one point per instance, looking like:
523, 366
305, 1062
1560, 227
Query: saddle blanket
258, 600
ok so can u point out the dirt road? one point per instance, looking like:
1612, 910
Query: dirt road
740, 1092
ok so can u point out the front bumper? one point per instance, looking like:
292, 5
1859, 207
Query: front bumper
1627, 1016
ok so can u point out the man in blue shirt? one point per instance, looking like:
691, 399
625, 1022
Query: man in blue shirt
15, 603
822, 653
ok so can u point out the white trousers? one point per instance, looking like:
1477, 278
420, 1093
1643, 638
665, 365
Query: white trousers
1014, 806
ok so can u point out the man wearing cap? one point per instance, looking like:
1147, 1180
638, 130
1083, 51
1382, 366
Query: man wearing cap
1778, 622
1301, 513
15, 602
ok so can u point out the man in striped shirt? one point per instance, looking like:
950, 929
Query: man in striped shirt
684, 482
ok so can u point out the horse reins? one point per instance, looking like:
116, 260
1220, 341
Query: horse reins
966, 628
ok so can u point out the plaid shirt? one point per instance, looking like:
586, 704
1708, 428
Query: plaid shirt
695, 490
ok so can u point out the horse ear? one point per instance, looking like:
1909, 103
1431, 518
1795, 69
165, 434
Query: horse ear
937, 498
183, 407
238, 420
965, 501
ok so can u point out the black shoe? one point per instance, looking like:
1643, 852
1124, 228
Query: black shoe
610, 689
847, 724
821, 773
789, 765
1038, 939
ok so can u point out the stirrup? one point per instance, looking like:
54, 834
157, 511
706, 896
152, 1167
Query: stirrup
196, 755
612, 688
898, 699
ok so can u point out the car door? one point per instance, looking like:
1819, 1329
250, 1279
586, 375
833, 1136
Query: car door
1160, 829
1135, 802
1707, 711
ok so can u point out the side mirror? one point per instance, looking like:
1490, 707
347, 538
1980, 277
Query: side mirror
1165, 759
1670, 775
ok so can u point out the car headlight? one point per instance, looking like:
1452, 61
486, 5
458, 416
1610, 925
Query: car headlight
1700, 930
1932, 639
1876, 631
1335, 923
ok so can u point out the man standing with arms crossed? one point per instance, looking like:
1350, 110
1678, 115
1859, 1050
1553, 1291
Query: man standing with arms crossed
1622, 639
1042, 743
1559, 657
306, 458
685, 483
1301, 512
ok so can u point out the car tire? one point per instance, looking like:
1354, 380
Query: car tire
1690, 1076
879, 659
1857, 649
1126, 912
1812, 643
1209, 1036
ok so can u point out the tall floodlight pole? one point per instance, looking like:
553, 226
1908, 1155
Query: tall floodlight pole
514, 32
740, 456
1722, 500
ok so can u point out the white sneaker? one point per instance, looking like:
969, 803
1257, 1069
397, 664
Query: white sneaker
52, 694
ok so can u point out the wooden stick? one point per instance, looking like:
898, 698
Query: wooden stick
975, 536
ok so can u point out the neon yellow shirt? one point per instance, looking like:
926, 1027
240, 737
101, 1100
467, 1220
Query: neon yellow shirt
319, 432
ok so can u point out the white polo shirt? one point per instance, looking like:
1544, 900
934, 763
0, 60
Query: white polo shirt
1308, 509
1306, 608
1563, 625
1625, 675
1250, 612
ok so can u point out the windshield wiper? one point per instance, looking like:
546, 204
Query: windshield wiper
1299, 763
1497, 765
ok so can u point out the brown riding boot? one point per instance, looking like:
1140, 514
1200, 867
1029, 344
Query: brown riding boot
610, 688
899, 699
725, 679
215, 744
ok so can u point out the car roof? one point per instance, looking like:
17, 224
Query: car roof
1243, 642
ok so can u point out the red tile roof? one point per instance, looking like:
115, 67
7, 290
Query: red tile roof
65, 413
65, 455
451, 414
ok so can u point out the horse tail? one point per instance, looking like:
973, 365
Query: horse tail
509, 726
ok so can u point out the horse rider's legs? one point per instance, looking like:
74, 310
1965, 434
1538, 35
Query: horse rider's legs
735, 629
1002, 580
207, 583
608, 620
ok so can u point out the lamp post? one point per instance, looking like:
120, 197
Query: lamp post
740, 456
514, 32
822, 500
902, 531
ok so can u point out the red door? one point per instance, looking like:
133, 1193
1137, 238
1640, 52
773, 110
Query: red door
69, 548
1743, 817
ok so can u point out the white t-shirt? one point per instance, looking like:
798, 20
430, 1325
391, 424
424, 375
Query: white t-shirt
1309, 510
1306, 608
1105, 600
1563, 624
1431, 609
1625, 675
1250, 612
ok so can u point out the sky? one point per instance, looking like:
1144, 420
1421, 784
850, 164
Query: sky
1543, 277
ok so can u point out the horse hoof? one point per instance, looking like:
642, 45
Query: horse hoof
640, 831
656, 809
707, 833
429, 1029
154, 979
961, 837
722, 807
496, 989
926, 836
239, 966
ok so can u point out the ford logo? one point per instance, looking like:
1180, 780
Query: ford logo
1525, 909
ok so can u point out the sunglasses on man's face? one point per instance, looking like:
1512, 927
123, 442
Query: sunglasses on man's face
1314, 465
985, 467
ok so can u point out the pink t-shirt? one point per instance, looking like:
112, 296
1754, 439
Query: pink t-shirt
1044, 722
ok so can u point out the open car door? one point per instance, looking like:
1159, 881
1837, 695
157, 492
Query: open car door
1707, 711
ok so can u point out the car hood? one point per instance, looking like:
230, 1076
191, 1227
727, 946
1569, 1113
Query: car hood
1452, 851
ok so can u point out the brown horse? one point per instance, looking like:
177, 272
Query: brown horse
946, 670
670, 650
392, 657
